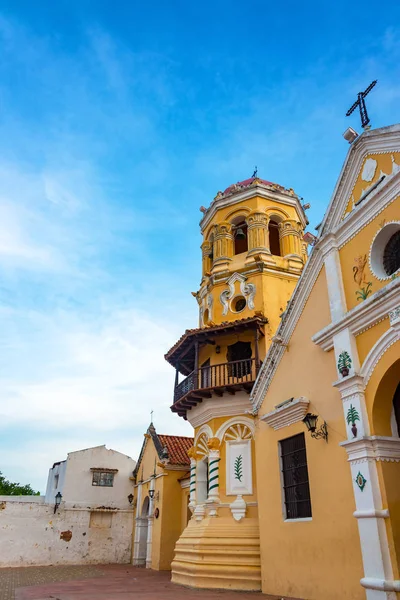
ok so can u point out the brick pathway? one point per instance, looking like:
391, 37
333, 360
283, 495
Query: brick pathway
105, 582
10, 579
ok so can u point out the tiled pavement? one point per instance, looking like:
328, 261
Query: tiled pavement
105, 582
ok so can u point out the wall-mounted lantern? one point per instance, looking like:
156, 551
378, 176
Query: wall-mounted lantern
310, 421
130, 498
57, 502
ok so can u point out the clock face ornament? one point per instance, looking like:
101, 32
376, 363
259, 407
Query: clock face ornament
369, 169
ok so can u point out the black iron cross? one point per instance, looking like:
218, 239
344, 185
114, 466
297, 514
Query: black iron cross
361, 103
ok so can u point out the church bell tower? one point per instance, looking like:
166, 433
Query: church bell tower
253, 253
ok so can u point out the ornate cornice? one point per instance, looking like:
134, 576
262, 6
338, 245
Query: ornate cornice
269, 192
383, 140
291, 412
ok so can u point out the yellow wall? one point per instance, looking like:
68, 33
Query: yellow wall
366, 340
324, 554
360, 246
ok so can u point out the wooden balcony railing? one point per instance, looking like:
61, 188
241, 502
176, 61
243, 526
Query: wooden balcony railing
224, 375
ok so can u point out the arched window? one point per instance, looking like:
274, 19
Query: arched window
274, 244
396, 409
239, 229
391, 254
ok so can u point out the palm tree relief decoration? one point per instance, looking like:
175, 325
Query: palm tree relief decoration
238, 468
344, 363
352, 417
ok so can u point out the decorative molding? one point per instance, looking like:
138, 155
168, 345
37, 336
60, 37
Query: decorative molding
206, 429
238, 508
390, 337
238, 432
362, 316
375, 141
248, 290
350, 386
214, 407
372, 448
242, 421
394, 316
363, 214
291, 412
260, 190
377, 248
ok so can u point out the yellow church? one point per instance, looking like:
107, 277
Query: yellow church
291, 382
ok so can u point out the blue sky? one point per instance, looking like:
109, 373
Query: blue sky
117, 122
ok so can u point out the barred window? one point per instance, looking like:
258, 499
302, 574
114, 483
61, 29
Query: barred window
103, 479
295, 477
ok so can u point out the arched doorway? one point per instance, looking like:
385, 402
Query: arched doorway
385, 430
144, 525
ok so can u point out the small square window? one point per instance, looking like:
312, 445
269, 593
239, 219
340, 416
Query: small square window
296, 488
103, 479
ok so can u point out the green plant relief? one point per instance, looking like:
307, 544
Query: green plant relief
238, 467
364, 292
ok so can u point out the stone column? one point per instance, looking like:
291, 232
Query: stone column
223, 246
150, 525
290, 238
206, 250
257, 233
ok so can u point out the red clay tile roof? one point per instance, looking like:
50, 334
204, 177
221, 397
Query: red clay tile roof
177, 447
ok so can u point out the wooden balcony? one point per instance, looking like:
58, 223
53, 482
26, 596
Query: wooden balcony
201, 383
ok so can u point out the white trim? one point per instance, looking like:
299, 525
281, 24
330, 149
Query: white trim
371, 514
377, 250
385, 140
361, 317
185, 483
387, 340
213, 407
372, 583
302, 520
372, 448
203, 429
262, 191
235, 421
292, 412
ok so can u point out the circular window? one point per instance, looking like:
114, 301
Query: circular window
238, 304
385, 251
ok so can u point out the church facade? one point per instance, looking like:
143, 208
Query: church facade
291, 382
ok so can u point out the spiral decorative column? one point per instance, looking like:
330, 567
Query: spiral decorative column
223, 245
192, 486
257, 233
290, 238
207, 251
213, 470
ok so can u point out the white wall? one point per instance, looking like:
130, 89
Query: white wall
30, 534
78, 489
54, 485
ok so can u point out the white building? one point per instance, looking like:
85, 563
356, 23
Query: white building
93, 523
92, 478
